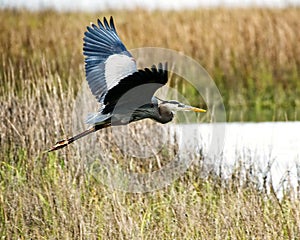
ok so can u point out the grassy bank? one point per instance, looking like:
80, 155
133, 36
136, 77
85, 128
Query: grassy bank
253, 55
51, 201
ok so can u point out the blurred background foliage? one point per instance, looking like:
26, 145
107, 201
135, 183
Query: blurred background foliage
253, 55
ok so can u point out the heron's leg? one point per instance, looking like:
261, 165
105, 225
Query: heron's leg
65, 142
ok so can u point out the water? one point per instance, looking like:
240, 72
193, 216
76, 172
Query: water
256, 144
92, 5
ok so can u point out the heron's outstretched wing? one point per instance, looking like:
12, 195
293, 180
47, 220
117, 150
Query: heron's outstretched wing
107, 60
136, 89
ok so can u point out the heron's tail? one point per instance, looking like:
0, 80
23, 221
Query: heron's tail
65, 142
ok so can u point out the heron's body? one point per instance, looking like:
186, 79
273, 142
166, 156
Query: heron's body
124, 92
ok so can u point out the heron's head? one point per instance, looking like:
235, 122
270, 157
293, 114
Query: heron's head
163, 111
175, 106
167, 109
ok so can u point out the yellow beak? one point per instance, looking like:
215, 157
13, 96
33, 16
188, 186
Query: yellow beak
194, 109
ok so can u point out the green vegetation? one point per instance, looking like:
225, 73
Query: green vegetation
253, 55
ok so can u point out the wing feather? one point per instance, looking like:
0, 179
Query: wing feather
101, 47
138, 88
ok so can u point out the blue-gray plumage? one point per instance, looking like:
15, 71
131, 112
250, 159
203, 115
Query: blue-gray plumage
124, 92
101, 47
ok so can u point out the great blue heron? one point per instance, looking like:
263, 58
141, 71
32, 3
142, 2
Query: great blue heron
111, 73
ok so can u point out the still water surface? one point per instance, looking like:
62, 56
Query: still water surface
255, 144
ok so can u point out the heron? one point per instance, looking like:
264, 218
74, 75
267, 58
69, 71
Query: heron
112, 74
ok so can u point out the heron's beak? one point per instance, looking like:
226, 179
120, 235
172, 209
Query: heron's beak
194, 109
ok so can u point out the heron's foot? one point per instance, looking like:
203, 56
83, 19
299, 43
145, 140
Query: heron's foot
58, 145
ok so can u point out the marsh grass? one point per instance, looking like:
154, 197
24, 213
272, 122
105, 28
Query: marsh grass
252, 54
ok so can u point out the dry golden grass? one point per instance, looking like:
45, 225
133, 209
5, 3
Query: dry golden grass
252, 54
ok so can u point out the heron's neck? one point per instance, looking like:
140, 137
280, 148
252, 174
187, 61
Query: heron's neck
164, 115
